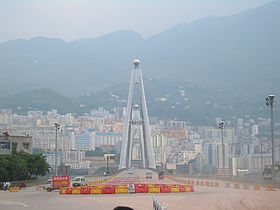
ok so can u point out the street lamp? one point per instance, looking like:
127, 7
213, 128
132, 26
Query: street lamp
57, 127
269, 102
222, 126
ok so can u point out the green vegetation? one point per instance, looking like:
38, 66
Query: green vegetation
22, 166
94, 153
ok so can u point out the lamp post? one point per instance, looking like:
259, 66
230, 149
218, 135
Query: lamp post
57, 126
269, 103
222, 126
107, 164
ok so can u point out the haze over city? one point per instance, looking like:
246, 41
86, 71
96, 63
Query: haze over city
71, 20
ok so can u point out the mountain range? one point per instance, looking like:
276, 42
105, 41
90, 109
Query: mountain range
235, 59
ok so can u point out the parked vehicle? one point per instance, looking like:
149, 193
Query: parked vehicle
79, 181
6, 186
56, 182
106, 173
48, 185
149, 175
161, 175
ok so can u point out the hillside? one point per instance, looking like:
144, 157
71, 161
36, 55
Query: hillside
165, 99
237, 53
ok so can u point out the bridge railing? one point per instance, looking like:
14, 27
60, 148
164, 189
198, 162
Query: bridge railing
157, 205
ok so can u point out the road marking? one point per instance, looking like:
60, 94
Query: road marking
13, 203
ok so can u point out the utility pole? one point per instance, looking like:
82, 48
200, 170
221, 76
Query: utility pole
107, 168
222, 126
270, 102
57, 126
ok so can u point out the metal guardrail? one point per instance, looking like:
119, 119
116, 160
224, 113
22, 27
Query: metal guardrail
157, 205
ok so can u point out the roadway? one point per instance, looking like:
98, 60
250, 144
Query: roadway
203, 198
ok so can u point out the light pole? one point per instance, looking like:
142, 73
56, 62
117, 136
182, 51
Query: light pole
222, 126
57, 126
270, 102
107, 161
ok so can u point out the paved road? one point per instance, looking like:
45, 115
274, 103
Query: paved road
203, 198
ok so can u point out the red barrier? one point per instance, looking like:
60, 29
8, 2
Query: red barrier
165, 188
85, 191
182, 188
69, 190
108, 189
191, 189
141, 188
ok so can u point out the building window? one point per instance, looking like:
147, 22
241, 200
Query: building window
25, 146
5, 145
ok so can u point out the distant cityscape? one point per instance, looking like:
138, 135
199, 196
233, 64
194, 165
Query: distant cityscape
85, 141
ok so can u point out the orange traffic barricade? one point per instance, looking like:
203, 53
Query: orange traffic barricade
85, 190
182, 188
257, 187
189, 188
175, 188
153, 188
121, 189
165, 188
68, 190
96, 190
236, 186
76, 190
141, 188
108, 189
63, 190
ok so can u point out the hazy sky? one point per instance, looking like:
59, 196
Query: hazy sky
74, 19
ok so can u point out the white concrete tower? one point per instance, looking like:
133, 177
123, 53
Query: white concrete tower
137, 134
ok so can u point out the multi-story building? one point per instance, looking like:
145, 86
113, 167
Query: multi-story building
109, 140
85, 140
15, 143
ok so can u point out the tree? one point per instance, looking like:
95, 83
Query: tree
42, 167
22, 166
4, 175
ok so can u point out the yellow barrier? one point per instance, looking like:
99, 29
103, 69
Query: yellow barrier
257, 187
236, 186
175, 188
63, 190
14, 189
270, 188
153, 188
121, 189
189, 188
96, 190
246, 187
227, 185
76, 190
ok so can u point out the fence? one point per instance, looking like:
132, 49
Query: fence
157, 205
